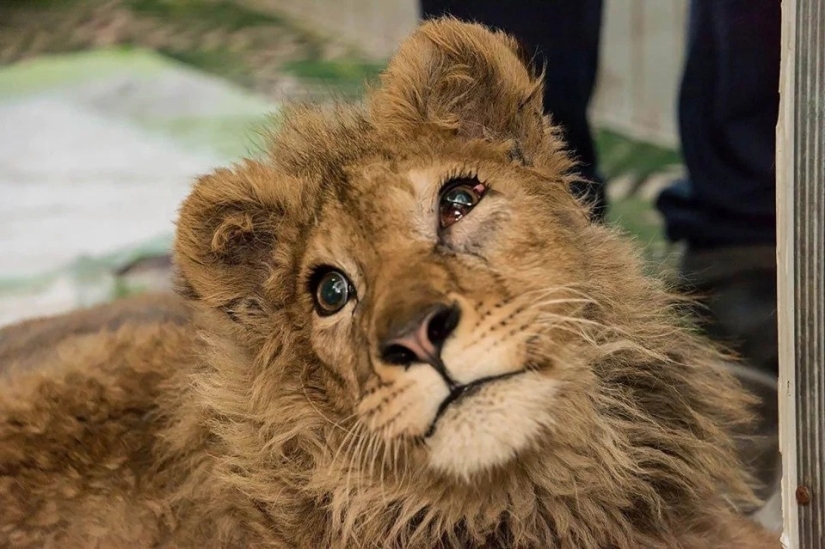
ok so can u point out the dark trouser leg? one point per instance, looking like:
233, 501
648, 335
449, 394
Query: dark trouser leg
727, 114
565, 35
725, 212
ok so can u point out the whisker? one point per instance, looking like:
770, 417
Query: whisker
383, 466
318, 410
373, 453
346, 441
395, 446
554, 289
572, 319
354, 453
363, 455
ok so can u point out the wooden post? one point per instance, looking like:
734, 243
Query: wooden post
801, 273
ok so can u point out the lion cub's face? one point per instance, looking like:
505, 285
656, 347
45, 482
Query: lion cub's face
439, 289
426, 250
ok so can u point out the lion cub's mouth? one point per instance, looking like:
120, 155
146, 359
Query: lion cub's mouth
460, 392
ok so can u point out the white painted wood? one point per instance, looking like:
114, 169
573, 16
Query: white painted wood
785, 190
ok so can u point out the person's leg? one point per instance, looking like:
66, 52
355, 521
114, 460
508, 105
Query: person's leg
725, 210
565, 35
728, 107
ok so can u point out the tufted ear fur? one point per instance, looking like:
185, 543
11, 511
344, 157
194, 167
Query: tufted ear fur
464, 78
227, 235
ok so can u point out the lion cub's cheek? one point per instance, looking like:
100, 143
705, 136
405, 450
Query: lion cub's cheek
405, 407
490, 340
490, 428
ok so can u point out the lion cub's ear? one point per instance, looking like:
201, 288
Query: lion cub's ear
226, 237
465, 78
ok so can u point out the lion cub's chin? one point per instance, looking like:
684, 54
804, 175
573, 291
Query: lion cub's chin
493, 425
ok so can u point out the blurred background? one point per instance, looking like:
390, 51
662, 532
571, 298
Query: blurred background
110, 108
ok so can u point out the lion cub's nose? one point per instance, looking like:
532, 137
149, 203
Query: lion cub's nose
421, 339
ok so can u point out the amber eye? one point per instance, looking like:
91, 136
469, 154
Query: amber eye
458, 198
332, 290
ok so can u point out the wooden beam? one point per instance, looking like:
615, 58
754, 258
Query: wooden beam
801, 273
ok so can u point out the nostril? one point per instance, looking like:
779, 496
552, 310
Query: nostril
398, 355
441, 324
421, 341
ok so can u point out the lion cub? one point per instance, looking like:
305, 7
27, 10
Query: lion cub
399, 330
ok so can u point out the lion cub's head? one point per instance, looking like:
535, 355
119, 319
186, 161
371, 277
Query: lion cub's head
412, 287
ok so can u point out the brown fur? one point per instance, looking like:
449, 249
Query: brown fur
257, 423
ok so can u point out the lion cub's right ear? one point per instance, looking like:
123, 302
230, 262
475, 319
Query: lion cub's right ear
465, 79
227, 233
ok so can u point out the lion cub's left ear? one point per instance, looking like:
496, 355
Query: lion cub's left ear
464, 78
232, 229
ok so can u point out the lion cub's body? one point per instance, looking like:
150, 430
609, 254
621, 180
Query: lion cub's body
562, 403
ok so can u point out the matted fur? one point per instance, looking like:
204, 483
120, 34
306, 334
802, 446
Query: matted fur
250, 421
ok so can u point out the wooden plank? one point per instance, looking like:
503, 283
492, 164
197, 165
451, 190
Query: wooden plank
785, 185
809, 265
801, 242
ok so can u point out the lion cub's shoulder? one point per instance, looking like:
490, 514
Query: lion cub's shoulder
35, 344
79, 409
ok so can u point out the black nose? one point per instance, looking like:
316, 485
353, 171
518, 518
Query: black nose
421, 340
